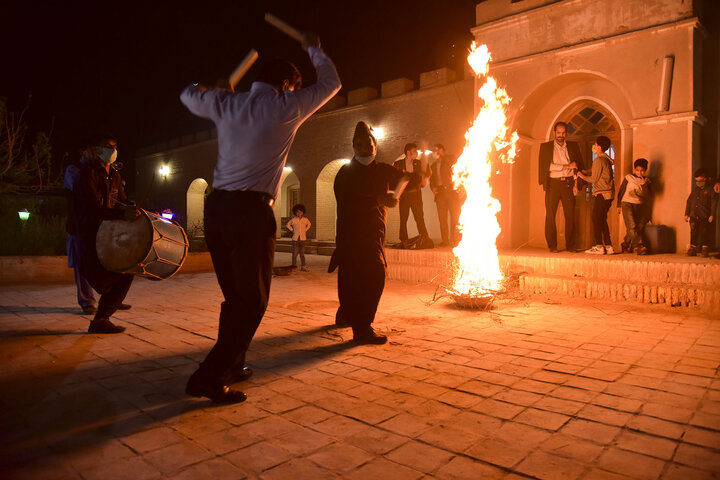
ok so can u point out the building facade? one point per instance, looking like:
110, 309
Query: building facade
642, 72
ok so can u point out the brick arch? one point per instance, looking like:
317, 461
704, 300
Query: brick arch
196, 193
325, 211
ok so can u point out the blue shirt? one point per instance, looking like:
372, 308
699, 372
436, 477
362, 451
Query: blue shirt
255, 129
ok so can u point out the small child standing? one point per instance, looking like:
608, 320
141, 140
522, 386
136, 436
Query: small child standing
603, 185
632, 201
700, 213
299, 225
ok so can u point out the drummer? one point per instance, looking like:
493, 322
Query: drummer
100, 195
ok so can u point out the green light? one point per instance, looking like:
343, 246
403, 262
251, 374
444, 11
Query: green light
24, 214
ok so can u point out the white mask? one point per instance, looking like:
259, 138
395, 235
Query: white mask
365, 160
107, 155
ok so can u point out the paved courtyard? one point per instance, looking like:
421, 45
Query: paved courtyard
536, 387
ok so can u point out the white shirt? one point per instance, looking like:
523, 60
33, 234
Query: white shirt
560, 159
256, 129
299, 227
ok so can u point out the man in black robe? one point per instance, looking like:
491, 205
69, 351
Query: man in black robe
363, 196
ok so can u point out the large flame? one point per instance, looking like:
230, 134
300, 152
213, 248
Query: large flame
487, 141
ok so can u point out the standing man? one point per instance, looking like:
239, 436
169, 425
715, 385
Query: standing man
100, 195
557, 173
85, 294
363, 197
255, 132
412, 196
447, 199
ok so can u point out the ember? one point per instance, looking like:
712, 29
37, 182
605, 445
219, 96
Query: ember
477, 269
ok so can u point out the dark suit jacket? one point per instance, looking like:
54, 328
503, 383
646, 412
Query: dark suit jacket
546, 157
417, 176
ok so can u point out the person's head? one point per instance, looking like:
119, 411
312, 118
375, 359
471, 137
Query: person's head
364, 144
281, 74
603, 143
560, 130
411, 151
104, 148
439, 150
640, 167
701, 176
298, 210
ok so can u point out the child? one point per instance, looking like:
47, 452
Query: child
700, 213
299, 225
603, 182
632, 201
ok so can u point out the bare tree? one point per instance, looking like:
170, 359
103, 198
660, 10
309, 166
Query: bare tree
24, 168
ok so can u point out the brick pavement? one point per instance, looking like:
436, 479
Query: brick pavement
535, 388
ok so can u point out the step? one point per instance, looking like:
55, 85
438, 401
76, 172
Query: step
668, 279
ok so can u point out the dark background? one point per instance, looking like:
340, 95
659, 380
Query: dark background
119, 66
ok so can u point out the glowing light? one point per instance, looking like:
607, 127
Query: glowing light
164, 170
287, 169
345, 161
24, 214
378, 132
487, 142
167, 215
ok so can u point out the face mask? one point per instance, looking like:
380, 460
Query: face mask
107, 155
365, 160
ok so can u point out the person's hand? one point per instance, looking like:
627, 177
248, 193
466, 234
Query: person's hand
687, 219
310, 39
130, 213
717, 187
576, 190
572, 165
387, 199
710, 219
643, 180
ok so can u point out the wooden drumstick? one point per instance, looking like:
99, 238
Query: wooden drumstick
244, 66
284, 27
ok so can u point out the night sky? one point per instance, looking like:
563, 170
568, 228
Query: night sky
118, 66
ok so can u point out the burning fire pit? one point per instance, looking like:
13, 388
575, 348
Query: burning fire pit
489, 141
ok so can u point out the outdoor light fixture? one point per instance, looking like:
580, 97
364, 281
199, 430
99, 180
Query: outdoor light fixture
287, 169
378, 132
164, 170
24, 214
345, 161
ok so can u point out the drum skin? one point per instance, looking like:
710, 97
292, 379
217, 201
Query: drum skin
148, 246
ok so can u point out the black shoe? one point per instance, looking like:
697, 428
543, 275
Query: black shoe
692, 251
241, 375
340, 322
369, 337
89, 310
553, 250
104, 325
124, 306
216, 393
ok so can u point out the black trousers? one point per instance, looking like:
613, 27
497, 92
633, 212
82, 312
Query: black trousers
601, 231
360, 286
700, 231
560, 191
240, 234
448, 208
412, 201
112, 286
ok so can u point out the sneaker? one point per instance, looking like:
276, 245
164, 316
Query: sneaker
104, 325
609, 250
368, 337
596, 250
692, 251
625, 247
705, 251
641, 250
304, 268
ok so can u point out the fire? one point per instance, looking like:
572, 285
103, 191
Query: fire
487, 141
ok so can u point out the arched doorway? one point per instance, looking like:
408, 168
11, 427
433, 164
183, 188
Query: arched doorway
586, 121
196, 193
326, 211
288, 196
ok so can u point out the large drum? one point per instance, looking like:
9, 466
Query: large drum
149, 246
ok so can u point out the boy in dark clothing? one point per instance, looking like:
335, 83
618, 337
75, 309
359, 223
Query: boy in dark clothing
632, 201
700, 213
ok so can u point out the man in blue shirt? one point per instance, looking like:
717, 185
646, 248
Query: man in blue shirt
255, 132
